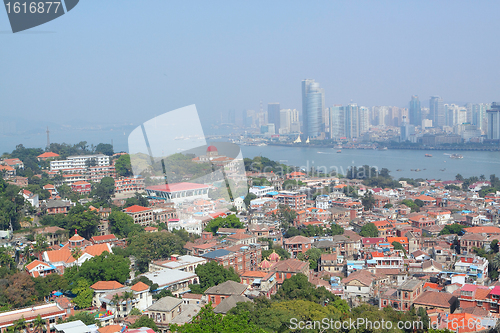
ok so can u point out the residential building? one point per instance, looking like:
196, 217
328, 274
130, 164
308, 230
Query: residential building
297, 244
273, 115
141, 215
58, 207
81, 187
184, 263
218, 293
178, 192
176, 281
294, 200
129, 185
164, 311
402, 298
285, 269
80, 161
50, 313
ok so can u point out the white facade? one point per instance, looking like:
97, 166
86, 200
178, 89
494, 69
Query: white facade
78, 162
260, 191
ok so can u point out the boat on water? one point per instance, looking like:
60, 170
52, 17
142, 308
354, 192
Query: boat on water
455, 156
428, 155
399, 170
382, 148
339, 151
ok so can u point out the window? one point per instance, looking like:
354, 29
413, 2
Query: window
479, 303
359, 288
163, 317
141, 296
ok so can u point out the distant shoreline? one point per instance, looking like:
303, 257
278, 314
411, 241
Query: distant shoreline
388, 147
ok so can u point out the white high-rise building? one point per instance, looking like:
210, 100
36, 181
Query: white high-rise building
313, 101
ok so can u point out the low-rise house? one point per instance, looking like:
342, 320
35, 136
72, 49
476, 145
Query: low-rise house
360, 286
38, 268
331, 263
430, 299
285, 269
53, 235
218, 293
172, 279
297, 244
402, 298
58, 207
184, 263
229, 303
164, 311
260, 283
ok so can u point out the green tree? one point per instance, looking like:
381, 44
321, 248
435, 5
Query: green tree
104, 148
369, 230
123, 166
86, 317
138, 200
83, 293
85, 221
368, 201
231, 221
212, 274
151, 246
398, 246
103, 190
335, 229
39, 324
105, 267
122, 225
249, 197
208, 321
145, 321
455, 228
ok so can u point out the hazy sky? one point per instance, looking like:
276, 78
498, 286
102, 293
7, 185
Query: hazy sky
128, 61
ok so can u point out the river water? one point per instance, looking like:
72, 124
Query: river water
440, 166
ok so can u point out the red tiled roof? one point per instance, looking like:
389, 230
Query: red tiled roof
140, 286
106, 285
103, 238
136, 209
76, 238
61, 255
48, 154
177, 187
35, 263
98, 249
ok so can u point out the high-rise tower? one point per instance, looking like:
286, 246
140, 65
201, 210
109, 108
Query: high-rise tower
273, 115
437, 112
313, 99
415, 111
494, 121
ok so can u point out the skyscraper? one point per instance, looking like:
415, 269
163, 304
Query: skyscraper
436, 111
273, 115
415, 111
337, 122
313, 98
494, 121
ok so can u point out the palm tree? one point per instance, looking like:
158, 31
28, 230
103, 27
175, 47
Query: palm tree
116, 299
76, 253
496, 261
39, 324
128, 295
20, 325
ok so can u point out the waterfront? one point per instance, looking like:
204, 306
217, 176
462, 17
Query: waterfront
473, 163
